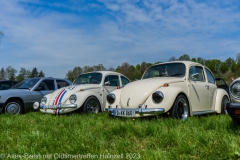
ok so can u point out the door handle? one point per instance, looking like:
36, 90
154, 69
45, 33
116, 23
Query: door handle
207, 86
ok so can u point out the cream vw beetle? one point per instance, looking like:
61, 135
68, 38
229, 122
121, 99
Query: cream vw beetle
179, 88
88, 93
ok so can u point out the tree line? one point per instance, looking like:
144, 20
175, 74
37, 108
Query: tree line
224, 69
10, 74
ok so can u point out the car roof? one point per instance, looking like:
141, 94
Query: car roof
105, 72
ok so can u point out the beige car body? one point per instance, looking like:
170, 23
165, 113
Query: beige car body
202, 97
82, 92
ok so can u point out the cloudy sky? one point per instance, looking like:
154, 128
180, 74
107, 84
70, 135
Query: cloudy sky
57, 35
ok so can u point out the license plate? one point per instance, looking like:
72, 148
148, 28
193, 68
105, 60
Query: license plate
237, 111
125, 113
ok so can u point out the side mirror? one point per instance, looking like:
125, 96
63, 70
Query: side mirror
194, 76
107, 83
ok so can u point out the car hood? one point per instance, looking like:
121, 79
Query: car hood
137, 92
62, 94
13, 92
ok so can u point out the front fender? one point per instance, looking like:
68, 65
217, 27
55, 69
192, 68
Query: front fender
170, 94
116, 103
83, 95
217, 104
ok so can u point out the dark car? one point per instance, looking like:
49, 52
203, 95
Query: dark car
222, 84
233, 107
7, 84
20, 98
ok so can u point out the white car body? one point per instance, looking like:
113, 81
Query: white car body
183, 89
87, 95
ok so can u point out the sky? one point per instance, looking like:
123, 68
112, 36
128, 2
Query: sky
55, 36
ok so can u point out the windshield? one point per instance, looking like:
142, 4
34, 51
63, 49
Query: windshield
26, 84
89, 78
166, 70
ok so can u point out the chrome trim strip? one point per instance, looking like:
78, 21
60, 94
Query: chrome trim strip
203, 112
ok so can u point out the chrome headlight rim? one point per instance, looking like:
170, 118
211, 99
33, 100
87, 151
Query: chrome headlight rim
43, 100
231, 88
73, 98
111, 98
157, 97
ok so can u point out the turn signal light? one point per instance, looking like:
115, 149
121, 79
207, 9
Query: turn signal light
165, 85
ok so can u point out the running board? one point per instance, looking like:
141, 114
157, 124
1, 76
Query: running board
203, 112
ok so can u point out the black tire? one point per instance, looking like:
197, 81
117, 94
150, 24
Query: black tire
13, 107
236, 122
180, 109
223, 105
91, 105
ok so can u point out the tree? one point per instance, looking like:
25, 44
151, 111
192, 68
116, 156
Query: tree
224, 67
99, 67
184, 57
72, 74
23, 74
34, 73
213, 65
2, 74
41, 74
124, 68
201, 61
10, 73
111, 69
194, 60
172, 59
238, 58
87, 69
143, 67
229, 62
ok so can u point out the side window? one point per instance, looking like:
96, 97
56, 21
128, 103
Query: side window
196, 73
46, 85
61, 83
210, 76
5, 86
124, 81
112, 79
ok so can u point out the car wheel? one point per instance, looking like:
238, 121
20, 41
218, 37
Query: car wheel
91, 105
13, 107
180, 109
223, 105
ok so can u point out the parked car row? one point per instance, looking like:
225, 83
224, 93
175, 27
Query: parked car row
178, 89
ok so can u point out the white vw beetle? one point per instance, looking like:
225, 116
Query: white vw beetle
179, 89
88, 93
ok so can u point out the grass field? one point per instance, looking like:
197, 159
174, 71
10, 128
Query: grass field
41, 136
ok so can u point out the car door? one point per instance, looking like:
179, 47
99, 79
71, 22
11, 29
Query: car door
198, 89
212, 87
43, 88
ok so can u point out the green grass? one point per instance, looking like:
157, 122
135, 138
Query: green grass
100, 136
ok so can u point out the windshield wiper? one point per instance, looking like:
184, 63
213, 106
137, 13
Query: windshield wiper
176, 74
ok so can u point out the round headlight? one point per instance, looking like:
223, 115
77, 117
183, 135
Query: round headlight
44, 100
111, 98
235, 90
73, 98
157, 97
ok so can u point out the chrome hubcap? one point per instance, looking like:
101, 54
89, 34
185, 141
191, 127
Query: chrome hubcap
12, 108
92, 107
182, 109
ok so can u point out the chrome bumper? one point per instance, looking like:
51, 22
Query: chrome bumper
36, 105
140, 111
